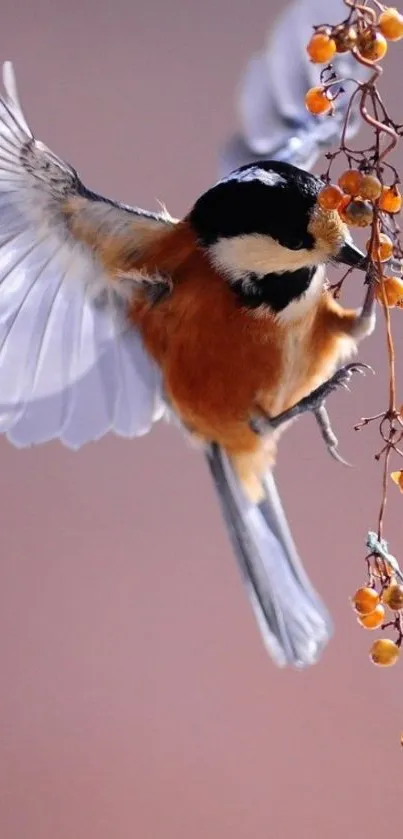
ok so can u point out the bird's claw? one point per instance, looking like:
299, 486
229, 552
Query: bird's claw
334, 453
331, 441
314, 403
340, 378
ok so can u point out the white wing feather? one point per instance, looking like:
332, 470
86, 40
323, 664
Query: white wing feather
70, 365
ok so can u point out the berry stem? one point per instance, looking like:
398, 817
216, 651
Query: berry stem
365, 33
365, 10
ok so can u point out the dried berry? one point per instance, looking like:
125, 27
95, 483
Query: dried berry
384, 652
317, 101
345, 38
365, 600
393, 597
374, 620
359, 213
391, 24
330, 197
350, 181
390, 200
382, 250
321, 48
397, 478
370, 187
372, 45
393, 288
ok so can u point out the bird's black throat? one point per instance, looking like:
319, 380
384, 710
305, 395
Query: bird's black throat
273, 290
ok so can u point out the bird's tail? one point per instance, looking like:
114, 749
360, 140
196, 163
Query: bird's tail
294, 622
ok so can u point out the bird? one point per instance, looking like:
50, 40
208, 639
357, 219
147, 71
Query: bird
113, 318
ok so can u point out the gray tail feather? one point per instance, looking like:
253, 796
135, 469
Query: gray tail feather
294, 622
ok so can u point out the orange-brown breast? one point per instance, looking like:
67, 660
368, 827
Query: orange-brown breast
215, 356
220, 361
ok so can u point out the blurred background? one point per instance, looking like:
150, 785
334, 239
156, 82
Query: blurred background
136, 697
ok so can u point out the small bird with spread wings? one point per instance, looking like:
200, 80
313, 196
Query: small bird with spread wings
112, 318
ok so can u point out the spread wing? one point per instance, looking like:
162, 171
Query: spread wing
71, 367
274, 121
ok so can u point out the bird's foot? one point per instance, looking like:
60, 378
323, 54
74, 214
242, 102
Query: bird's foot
314, 403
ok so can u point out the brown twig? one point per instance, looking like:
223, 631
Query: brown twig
373, 160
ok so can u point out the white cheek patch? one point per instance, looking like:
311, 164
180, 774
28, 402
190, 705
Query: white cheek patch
258, 254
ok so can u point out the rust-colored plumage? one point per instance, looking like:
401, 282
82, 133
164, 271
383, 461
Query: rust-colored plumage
223, 363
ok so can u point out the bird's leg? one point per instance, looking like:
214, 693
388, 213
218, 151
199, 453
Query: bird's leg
364, 322
369, 304
314, 403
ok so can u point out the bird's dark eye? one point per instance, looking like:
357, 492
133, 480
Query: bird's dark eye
296, 245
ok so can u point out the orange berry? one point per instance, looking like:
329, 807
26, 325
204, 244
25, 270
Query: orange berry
397, 478
359, 213
365, 600
321, 48
382, 250
391, 24
345, 38
393, 597
330, 197
374, 620
317, 101
390, 200
350, 181
393, 287
370, 187
372, 45
384, 652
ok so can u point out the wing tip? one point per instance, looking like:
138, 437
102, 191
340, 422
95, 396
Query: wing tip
9, 79
11, 98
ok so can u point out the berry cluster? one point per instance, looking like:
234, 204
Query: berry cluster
365, 36
356, 196
366, 194
370, 607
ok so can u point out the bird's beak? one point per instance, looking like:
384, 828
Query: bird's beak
350, 255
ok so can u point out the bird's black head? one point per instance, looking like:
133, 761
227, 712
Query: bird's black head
270, 198
263, 220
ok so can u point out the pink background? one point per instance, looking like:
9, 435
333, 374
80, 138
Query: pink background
136, 698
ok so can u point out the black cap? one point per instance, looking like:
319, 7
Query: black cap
268, 197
